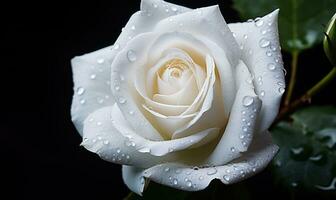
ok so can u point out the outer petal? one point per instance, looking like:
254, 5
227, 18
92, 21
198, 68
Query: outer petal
193, 178
133, 178
91, 75
261, 52
160, 148
241, 125
102, 137
96, 65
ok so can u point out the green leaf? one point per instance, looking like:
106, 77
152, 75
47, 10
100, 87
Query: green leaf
307, 156
300, 22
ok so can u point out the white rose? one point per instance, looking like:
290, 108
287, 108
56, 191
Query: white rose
182, 98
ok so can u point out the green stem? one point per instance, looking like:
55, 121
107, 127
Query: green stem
285, 111
322, 83
129, 196
294, 64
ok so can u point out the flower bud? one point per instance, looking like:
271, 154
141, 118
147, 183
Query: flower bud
329, 42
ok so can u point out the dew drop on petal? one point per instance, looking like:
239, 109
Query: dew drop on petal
226, 177
259, 23
93, 76
211, 171
166, 169
122, 100
100, 60
131, 56
247, 101
175, 181
82, 101
264, 42
116, 46
80, 91
271, 66
189, 183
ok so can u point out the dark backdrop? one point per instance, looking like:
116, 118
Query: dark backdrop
40, 146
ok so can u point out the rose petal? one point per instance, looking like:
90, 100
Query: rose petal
240, 128
101, 137
261, 53
183, 97
211, 113
190, 178
160, 148
91, 75
140, 22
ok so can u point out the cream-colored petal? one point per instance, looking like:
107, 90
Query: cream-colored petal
191, 178
261, 53
183, 97
241, 126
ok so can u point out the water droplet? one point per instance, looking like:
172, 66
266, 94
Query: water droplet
133, 27
166, 169
82, 101
263, 32
122, 78
245, 129
178, 171
100, 60
116, 46
269, 24
128, 157
247, 101
80, 90
245, 36
154, 5
226, 177
281, 90
234, 35
174, 9
294, 184
259, 23
269, 53
131, 112
211, 171
189, 183
106, 142
316, 158
264, 42
254, 169
167, 10
262, 93
232, 149
118, 150
242, 136
122, 100
271, 66
250, 20
250, 52
195, 168
100, 100
201, 178
93, 76
175, 181
273, 47
131, 56
99, 123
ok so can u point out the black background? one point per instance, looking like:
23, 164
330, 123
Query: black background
40, 146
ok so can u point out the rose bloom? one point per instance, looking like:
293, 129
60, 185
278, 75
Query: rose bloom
182, 98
